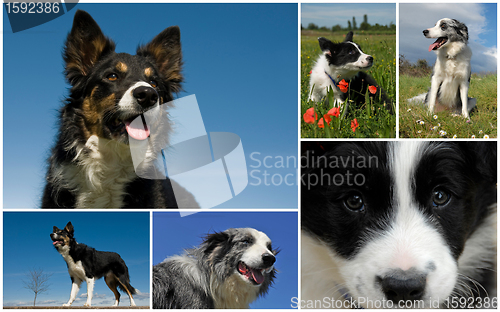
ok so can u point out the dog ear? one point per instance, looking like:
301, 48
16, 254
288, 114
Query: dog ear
325, 45
55, 229
69, 228
348, 37
165, 49
84, 46
462, 30
212, 241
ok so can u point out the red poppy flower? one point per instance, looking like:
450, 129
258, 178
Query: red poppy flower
334, 112
343, 86
354, 124
372, 89
310, 72
310, 116
321, 123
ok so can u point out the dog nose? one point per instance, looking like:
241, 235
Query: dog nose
369, 59
403, 285
145, 96
268, 259
426, 32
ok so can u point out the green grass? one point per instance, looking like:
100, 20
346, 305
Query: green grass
483, 119
373, 119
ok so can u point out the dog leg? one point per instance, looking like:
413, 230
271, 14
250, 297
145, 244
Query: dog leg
464, 90
435, 82
75, 287
132, 302
111, 280
90, 291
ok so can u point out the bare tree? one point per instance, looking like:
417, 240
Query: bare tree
37, 281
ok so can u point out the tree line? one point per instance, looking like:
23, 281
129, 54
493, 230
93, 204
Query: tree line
352, 25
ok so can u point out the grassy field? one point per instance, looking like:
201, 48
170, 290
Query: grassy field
416, 122
374, 121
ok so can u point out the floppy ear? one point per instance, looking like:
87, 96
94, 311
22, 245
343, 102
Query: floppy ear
348, 37
84, 46
165, 49
69, 228
462, 29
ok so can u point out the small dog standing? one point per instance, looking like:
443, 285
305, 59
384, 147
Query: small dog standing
343, 61
452, 71
228, 271
87, 264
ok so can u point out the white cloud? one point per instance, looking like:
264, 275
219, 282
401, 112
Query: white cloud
414, 18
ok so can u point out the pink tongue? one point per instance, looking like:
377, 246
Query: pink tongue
53, 243
136, 129
435, 44
257, 276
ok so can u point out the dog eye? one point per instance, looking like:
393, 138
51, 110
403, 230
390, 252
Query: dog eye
153, 83
440, 197
112, 77
355, 202
351, 52
246, 241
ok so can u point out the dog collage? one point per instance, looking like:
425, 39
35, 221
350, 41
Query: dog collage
369, 183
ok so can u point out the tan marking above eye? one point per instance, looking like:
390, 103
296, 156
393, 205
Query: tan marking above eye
148, 71
121, 66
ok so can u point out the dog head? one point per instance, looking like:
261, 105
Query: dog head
62, 238
345, 55
402, 221
109, 89
244, 253
446, 31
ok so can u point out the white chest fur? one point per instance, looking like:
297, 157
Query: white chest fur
100, 176
75, 269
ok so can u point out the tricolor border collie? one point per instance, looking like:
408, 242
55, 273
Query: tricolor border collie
452, 70
87, 264
229, 269
91, 164
344, 61
399, 224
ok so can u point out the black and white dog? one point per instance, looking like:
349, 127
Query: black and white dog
452, 70
87, 264
229, 269
343, 61
399, 224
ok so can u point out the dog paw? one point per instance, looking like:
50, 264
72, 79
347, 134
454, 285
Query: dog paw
87, 304
67, 305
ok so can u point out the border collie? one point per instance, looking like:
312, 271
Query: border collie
452, 71
87, 264
343, 61
229, 269
91, 164
399, 224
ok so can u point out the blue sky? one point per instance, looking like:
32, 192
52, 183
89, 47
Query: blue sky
331, 14
481, 21
281, 227
239, 59
27, 245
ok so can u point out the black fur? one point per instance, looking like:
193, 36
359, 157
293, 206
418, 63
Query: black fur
91, 63
174, 285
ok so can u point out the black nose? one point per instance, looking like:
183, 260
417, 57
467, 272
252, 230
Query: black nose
403, 285
145, 96
268, 259
426, 32
370, 59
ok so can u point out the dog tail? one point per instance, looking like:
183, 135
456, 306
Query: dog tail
126, 284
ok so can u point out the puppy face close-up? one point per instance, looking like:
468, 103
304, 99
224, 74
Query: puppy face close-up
62, 237
399, 221
346, 54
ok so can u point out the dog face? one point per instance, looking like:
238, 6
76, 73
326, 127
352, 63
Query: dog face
446, 30
62, 238
346, 55
246, 253
399, 218
111, 89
